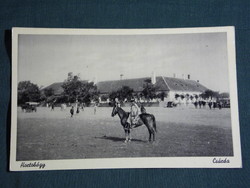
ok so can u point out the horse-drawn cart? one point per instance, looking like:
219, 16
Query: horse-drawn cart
30, 107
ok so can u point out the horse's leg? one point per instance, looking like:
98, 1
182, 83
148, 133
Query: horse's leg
149, 139
126, 136
153, 132
150, 130
129, 136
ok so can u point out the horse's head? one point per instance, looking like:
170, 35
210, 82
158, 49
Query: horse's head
114, 111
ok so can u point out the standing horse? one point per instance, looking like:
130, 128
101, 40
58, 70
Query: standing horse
145, 119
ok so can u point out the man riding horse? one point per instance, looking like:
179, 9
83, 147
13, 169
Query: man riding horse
134, 115
135, 111
135, 118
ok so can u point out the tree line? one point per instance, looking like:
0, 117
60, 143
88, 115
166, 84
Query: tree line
74, 89
207, 94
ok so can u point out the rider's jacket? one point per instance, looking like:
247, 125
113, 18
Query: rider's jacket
135, 110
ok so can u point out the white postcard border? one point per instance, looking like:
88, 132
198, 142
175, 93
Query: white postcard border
145, 162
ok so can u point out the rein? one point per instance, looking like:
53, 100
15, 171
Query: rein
121, 113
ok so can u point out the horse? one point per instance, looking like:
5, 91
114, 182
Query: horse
145, 119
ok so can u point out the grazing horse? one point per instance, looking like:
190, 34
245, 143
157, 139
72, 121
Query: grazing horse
145, 119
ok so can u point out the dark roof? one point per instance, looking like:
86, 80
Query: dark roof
136, 84
177, 84
57, 87
162, 84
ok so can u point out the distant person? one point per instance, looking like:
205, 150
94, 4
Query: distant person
210, 104
203, 103
195, 104
77, 110
52, 106
220, 105
72, 111
200, 103
214, 105
95, 108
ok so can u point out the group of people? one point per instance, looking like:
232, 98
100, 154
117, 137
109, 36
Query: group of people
211, 104
51, 106
72, 110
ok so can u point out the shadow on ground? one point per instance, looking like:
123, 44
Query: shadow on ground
118, 139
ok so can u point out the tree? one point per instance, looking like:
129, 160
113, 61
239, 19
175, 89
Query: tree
125, 93
149, 90
191, 97
48, 95
209, 94
177, 96
28, 92
77, 90
72, 88
196, 97
162, 95
224, 95
49, 92
113, 95
104, 97
182, 97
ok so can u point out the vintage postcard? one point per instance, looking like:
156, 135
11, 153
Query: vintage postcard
124, 98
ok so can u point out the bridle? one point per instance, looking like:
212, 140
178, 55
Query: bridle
114, 112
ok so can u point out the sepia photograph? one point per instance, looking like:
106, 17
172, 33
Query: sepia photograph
124, 98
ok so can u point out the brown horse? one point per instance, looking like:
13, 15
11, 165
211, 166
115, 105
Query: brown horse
145, 119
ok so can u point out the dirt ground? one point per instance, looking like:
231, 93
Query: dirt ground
182, 131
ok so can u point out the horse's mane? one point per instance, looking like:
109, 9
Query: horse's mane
127, 113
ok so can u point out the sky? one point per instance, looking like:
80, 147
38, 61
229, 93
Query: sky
45, 59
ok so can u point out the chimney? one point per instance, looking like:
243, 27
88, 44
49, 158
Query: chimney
188, 77
95, 80
153, 79
121, 75
174, 75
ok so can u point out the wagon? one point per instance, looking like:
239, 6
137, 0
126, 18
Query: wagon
30, 107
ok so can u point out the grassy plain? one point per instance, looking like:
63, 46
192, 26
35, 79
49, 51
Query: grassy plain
182, 131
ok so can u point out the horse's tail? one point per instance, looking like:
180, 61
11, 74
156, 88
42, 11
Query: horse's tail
154, 123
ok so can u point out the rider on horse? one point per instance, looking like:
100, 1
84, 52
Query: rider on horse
134, 119
134, 113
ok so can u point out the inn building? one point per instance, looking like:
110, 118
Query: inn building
178, 90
